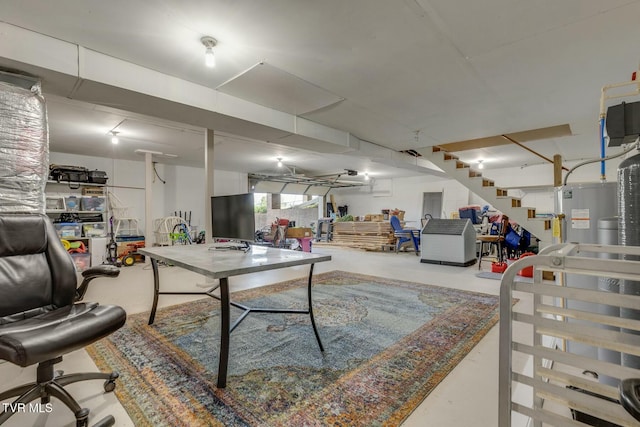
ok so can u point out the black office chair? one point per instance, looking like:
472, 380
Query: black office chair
41, 318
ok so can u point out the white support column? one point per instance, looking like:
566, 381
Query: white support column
208, 188
148, 197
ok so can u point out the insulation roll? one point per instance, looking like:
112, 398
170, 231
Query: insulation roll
24, 146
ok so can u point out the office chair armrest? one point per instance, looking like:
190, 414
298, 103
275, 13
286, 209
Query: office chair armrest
104, 270
93, 273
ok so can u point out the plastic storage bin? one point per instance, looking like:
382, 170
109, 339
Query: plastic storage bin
527, 271
72, 203
82, 261
68, 229
94, 229
473, 213
498, 267
55, 204
92, 203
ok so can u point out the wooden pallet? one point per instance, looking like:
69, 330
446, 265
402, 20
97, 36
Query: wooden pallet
361, 227
367, 235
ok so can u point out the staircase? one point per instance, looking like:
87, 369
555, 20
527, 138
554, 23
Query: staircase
485, 188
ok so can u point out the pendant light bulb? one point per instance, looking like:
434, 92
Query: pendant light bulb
209, 58
279, 162
480, 164
114, 137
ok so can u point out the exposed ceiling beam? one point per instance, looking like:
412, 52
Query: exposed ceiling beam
508, 138
524, 136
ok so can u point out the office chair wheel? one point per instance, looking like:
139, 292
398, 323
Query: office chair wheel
82, 418
109, 386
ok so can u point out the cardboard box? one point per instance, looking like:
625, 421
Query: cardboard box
92, 191
299, 232
397, 212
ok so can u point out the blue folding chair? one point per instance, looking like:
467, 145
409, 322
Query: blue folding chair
405, 235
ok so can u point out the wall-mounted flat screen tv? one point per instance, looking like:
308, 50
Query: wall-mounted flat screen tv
233, 217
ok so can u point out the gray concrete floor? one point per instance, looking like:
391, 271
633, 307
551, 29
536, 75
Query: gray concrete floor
468, 396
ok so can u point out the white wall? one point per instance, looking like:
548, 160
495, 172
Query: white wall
542, 197
541, 175
126, 180
183, 189
404, 194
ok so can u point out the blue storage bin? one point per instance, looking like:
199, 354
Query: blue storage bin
68, 229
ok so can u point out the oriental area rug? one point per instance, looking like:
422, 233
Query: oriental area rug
388, 343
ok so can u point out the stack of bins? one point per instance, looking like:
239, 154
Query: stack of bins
24, 145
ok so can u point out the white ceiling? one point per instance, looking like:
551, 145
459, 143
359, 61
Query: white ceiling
399, 74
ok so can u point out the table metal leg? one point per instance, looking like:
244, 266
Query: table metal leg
225, 322
156, 289
313, 321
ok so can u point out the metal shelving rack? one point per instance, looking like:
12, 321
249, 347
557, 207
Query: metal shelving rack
551, 388
69, 188
95, 244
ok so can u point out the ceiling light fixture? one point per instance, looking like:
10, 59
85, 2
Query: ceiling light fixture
209, 58
366, 176
114, 137
480, 164
279, 162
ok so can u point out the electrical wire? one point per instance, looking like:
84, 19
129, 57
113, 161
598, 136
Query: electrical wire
603, 159
156, 172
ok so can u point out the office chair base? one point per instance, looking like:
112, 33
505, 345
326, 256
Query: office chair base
48, 385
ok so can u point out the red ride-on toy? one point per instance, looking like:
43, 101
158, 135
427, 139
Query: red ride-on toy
131, 255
